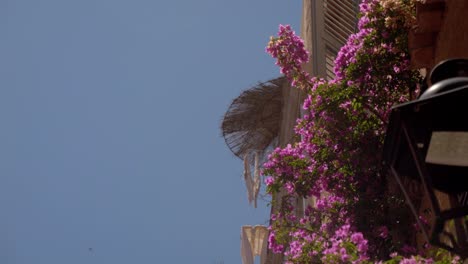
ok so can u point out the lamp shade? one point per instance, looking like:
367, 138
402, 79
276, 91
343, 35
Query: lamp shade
427, 141
437, 126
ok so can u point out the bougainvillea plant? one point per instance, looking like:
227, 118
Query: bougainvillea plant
336, 161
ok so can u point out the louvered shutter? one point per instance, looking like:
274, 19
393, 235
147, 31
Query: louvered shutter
333, 22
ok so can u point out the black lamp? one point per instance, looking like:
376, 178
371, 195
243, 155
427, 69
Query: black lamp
427, 141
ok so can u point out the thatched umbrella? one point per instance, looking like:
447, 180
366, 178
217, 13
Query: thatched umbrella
251, 123
250, 128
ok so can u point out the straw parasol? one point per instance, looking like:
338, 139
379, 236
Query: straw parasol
252, 121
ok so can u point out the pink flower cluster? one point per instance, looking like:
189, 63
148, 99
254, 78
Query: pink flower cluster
347, 246
290, 53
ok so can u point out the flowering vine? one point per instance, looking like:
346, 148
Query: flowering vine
336, 163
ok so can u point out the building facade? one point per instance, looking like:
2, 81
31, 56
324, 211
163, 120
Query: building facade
441, 32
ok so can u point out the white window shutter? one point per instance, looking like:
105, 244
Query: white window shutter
333, 22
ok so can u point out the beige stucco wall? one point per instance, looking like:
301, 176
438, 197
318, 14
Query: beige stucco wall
307, 30
293, 99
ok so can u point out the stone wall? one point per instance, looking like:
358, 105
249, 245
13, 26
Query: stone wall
440, 33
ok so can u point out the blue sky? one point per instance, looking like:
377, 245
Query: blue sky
109, 139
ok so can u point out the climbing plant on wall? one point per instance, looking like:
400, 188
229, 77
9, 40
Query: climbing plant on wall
337, 159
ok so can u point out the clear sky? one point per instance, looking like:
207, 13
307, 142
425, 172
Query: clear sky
110, 148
